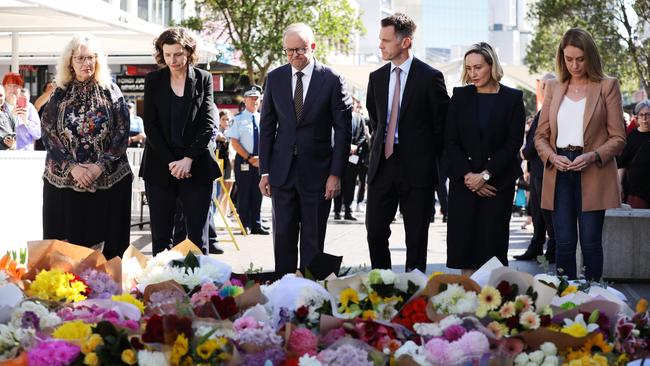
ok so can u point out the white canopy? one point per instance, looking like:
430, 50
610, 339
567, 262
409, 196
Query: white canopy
39, 30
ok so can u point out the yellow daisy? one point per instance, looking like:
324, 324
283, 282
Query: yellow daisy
489, 298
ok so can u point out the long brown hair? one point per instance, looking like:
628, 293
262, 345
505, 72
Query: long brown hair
581, 39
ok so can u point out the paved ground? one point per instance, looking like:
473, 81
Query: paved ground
348, 239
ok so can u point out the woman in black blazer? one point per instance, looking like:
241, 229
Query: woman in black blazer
485, 130
179, 119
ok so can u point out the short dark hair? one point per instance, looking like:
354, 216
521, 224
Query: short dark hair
176, 35
404, 25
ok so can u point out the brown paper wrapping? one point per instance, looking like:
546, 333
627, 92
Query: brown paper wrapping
535, 338
167, 285
433, 288
56, 254
405, 360
328, 322
250, 297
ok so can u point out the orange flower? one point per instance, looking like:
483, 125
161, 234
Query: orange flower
11, 268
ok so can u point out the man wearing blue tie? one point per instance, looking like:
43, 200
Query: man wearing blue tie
244, 136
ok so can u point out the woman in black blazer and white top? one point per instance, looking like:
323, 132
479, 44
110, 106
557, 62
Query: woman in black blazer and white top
179, 119
485, 130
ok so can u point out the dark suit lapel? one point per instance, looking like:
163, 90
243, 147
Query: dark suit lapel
189, 93
313, 90
472, 128
286, 95
164, 96
409, 89
383, 79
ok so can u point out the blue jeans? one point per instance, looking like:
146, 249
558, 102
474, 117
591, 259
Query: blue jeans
568, 218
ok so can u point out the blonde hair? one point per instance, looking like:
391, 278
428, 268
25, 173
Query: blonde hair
581, 39
64, 70
490, 57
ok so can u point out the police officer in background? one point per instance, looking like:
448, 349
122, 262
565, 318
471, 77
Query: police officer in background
244, 137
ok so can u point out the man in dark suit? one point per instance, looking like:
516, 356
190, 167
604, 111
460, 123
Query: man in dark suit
301, 164
407, 104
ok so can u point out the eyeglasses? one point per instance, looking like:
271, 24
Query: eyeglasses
82, 59
644, 115
291, 51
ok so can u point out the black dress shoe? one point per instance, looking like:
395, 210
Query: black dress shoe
444, 218
259, 231
527, 256
265, 227
214, 249
337, 216
348, 216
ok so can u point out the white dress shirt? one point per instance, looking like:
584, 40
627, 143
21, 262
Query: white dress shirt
306, 78
570, 118
404, 72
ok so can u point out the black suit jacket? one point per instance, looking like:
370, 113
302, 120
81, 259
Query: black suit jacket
327, 106
530, 153
497, 150
199, 125
420, 125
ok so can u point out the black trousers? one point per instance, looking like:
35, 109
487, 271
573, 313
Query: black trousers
441, 191
385, 192
363, 173
297, 211
195, 201
542, 219
347, 189
180, 229
249, 197
87, 219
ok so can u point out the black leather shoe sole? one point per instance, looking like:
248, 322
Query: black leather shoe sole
215, 250
259, 231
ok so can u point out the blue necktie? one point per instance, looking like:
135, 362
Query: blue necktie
256, 138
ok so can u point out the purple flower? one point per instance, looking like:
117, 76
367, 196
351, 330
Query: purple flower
53, 353
454, 333
474, 344
346, 355
30, 320
333, 336
102, 285
275, 355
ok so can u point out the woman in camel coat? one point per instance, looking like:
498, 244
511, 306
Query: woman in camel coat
581, 131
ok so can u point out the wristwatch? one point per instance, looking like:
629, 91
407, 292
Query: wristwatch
486, 176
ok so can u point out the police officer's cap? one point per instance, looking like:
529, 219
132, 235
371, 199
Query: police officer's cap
253, 91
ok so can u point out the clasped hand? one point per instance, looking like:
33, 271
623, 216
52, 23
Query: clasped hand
475, 183
85, 175
180, 169
563, 164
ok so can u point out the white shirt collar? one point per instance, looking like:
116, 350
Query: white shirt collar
405, 66
306, 71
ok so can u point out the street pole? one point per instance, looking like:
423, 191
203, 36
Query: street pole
14, 52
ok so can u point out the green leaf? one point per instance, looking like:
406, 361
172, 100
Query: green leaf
593, 318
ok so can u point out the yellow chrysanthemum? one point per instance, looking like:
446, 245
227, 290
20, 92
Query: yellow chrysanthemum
128, 298
207, 348
576, 330
642, 306
129, 357
92, 343
76, 331
91, 359
489, 298
349, 295
368, 314
569, 290
56, 285
179, 349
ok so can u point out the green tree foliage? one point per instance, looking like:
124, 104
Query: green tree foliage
254, 27
621, 29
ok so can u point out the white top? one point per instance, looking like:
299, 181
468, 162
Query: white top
570, 118
405, 67
306, 78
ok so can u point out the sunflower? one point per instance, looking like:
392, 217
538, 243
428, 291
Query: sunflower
597, 344
489, 298
349, 295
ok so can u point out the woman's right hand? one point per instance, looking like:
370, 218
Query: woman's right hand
82, 176
560, 162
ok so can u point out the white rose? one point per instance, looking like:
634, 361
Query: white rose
536, 357
548, 348
521, 359
551, 361
388, 276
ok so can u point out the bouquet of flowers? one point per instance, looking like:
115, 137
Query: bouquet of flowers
379, 295
511, 313
258, 341
632, 333
545, 356
456, 346
345, 352
297, 300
